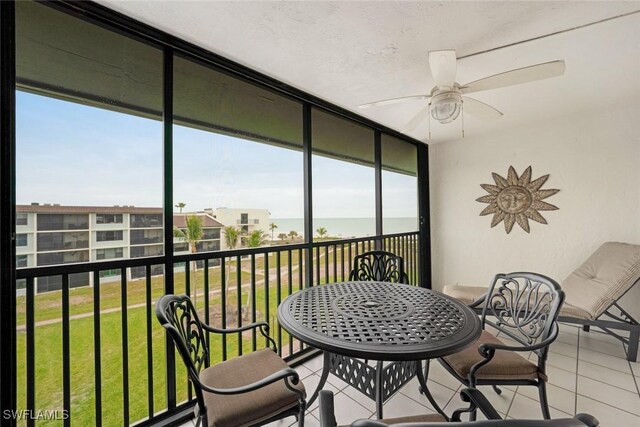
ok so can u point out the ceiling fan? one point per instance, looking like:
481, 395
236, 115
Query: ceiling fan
446, 99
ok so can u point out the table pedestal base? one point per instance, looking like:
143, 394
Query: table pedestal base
379, 383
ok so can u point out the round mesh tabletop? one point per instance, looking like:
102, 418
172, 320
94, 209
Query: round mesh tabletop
378, 320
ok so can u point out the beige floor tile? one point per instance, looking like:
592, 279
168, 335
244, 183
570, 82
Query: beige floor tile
314, 364
440, 375
440, 393
607, 415
303, 371
500, 402
561, 361
402, 406
610, 376
346, 409
597, 335
565, 349
529, 409
603, 359
567, 338
613, 349
337, 382
558, 398
360, 398
310, 385
561, 378
610, 395
635, 366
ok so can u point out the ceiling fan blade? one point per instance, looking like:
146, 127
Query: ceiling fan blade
516, 77
416, 120
443, 67
393, 101
480, 110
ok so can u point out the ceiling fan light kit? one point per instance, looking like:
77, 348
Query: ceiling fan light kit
446, 106
446, 103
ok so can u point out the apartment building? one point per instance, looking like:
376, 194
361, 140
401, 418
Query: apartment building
54, 234
247, 220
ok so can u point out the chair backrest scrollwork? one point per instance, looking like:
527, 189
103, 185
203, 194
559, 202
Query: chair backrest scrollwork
380, 266
179, 317
525, 307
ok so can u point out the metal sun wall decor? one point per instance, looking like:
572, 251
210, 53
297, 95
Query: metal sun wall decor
516, 199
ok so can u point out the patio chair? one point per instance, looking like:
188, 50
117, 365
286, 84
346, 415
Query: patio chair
592, 293
380, 266
525, 307
472, 396
249, 390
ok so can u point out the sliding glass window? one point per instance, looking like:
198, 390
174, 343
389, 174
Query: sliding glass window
399, 186
343, 177
237, 158
88, 128
88, 143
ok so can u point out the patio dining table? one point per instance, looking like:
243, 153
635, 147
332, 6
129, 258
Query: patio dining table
361, 325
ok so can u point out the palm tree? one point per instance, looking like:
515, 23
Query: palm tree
321, 232
231, 237
293, 234
254, 239
272, 227
282, 236
192, 235
181, 206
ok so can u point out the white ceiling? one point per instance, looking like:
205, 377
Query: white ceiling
351, 53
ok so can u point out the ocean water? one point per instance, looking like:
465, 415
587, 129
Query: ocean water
346, 227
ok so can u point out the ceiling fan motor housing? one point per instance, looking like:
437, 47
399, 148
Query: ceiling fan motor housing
446, 105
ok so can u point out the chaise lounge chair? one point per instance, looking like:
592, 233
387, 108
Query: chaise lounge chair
592, 293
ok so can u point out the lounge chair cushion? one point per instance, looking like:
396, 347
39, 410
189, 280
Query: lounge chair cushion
603, 278
469, 294
505, 365
252, 407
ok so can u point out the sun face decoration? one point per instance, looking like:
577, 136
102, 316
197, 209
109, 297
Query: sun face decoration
516, 199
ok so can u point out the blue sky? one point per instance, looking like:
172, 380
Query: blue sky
77, 155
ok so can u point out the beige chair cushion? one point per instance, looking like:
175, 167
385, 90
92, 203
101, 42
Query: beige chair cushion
247, 408
469, 294
505, 365
568, 310
431, 418
603, 278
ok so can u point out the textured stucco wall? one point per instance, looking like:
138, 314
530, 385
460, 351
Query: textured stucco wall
592, 158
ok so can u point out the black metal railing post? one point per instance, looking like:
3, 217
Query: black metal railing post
378, 186
424, 241
8, 348
307, 154
167, 123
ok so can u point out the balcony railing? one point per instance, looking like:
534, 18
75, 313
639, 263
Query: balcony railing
99, 353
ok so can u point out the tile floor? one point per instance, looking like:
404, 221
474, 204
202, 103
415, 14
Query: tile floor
587, 372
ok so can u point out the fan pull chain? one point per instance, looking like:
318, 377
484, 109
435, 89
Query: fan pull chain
462, 116
429, 115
